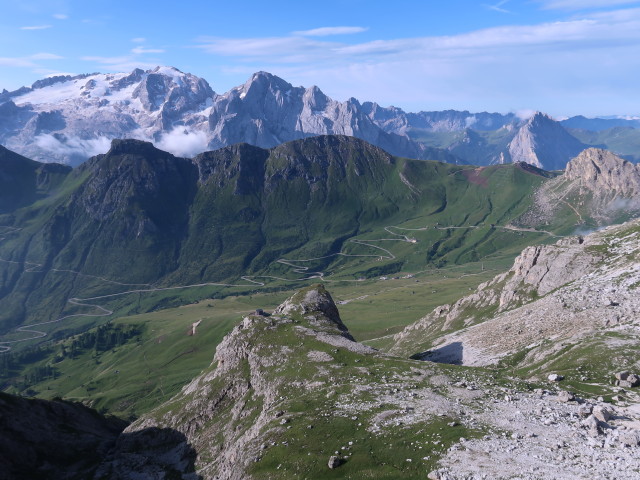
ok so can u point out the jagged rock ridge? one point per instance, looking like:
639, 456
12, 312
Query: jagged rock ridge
71, 118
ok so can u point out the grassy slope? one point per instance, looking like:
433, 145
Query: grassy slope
155, 366
236, 230
446, 262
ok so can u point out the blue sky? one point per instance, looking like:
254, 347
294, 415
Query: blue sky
563, 57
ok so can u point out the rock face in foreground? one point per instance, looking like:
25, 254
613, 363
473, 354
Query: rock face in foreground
288, 396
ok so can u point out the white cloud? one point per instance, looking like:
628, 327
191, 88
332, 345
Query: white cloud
107, 60
36, 27
524, 114
326, 31
498, 6
281, 49
45, 56
582, 4
73, 146
602, 30
15, 62
142, 50
128, 62
60, 16
139, 40
183, 142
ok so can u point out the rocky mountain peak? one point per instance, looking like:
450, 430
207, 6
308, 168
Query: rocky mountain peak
262, 83
315, 99
600, 170
129, 146
539, 118
544, 143
170, 89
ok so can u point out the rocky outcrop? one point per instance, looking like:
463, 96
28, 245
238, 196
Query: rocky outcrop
598, 188
316, 306
226, 413
281, 400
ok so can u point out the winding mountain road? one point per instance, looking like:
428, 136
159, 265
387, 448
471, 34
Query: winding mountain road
255, 280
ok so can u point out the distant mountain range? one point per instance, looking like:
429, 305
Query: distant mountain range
70, 118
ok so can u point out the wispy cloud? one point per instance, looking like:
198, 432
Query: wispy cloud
281, 49
28, 61
36, 27
142, 50
60, 16
106, 60
583, 59
136, 58
45, 56
16, 62
582, 4
122, 63
498, 6
326, 31
594, 31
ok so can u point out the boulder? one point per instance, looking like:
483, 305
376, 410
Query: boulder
334, 461
622, 375
630, 438
603, 414
585, 410
592, 425
565, 397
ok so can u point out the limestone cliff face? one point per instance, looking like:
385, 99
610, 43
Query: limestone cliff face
267, 111
552, 293
604, 174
